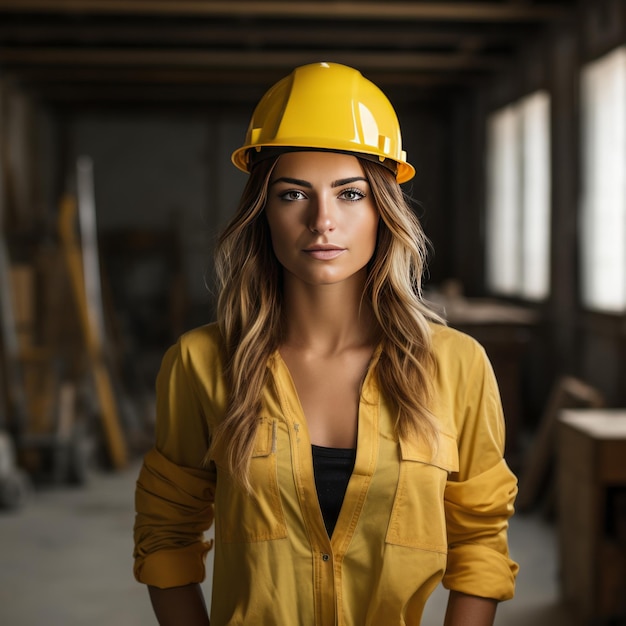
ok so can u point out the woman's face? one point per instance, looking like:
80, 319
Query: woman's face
322, 217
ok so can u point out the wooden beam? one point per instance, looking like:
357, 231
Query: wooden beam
362, 11
407, 61
94, 342
248, 35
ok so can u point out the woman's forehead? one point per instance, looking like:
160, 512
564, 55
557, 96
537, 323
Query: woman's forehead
317, 164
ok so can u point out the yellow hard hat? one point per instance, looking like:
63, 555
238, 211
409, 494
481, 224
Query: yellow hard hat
326, 106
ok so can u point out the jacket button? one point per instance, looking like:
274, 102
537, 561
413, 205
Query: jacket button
325, 557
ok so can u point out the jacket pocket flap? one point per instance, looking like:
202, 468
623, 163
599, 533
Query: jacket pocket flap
445, 453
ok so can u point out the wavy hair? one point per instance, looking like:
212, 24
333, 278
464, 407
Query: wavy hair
249, 313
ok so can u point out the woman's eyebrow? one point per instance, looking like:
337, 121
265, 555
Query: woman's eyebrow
347, 181
307, 184
292, 181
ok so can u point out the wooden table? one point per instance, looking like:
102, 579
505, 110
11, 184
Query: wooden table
592, 510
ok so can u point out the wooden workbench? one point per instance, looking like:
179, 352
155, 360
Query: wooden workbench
592, 509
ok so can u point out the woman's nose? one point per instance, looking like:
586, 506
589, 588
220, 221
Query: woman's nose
321, 218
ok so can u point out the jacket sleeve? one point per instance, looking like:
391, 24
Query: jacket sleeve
175, 491
479, 498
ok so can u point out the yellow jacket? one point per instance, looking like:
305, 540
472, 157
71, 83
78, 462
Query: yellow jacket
409, 518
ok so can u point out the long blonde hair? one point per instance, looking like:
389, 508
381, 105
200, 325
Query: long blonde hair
250, 307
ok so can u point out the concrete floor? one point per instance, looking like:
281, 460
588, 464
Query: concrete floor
65, 559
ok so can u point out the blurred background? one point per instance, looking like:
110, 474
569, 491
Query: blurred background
117, 121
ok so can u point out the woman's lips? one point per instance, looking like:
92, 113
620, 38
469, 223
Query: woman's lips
324, 253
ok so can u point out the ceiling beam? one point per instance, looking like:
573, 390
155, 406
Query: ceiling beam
404, 61
27, 32
286, 9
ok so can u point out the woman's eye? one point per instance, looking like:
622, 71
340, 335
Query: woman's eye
352, 195
291, 195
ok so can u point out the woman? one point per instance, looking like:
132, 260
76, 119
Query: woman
348, 443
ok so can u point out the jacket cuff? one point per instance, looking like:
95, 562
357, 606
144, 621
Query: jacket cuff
173, 568
480, 571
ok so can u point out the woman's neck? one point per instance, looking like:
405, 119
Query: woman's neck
327, 318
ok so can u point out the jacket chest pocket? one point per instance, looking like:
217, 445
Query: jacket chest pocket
256, 516
418, 517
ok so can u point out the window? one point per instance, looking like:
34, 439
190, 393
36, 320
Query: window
603, 201
518, 198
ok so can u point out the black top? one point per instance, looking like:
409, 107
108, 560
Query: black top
332, 468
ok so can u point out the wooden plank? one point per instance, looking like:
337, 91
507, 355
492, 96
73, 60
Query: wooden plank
23, 292
41, 386
92, 332
384, 11
405, 36
581, 504
238, 59
89, 249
